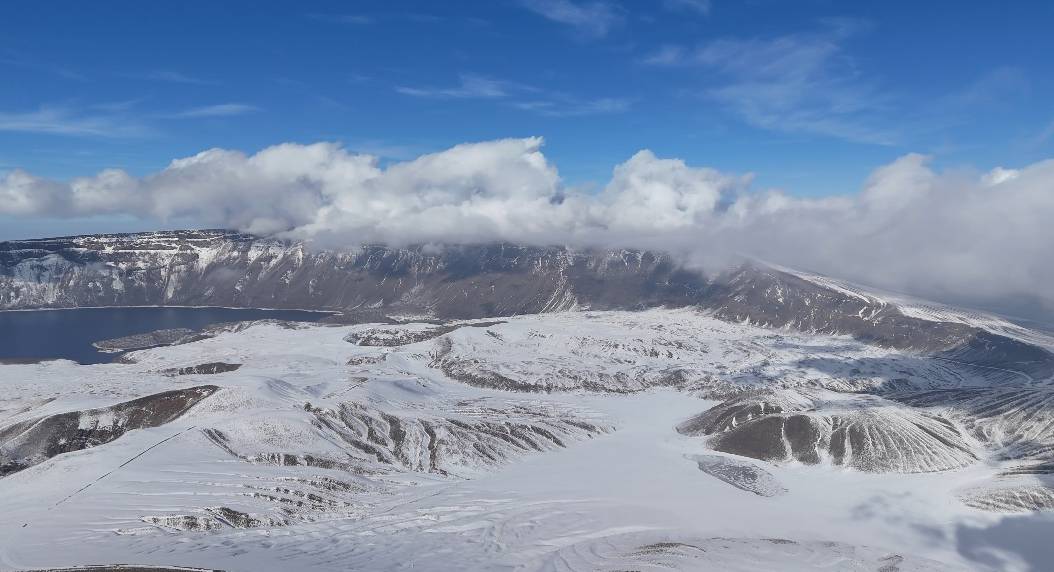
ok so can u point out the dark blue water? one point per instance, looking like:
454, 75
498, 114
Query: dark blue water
68, 334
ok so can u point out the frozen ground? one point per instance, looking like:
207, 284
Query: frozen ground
546, 442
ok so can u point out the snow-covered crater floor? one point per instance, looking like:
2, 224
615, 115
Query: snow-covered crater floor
543, 442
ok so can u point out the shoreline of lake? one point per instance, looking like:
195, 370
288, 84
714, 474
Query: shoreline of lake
45, 334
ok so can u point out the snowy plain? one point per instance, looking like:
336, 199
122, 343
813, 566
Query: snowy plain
546, 442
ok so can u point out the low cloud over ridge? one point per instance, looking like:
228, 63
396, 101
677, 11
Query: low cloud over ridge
949, 235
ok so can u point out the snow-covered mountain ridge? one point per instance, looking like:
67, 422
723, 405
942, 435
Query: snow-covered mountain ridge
230, 269
221, 268
546, 409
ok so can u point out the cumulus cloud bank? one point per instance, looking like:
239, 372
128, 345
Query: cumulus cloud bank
944, 234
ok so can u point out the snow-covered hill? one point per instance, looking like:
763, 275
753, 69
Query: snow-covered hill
560, 441
507, 407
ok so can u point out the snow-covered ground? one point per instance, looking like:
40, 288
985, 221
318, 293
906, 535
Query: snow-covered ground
932, 311
545, 442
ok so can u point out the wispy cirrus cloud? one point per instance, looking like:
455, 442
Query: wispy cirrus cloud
521, 96
572, 107
992, 87
116, 106
117, 119
343, 18
1041, 137
698, 6
668, 55
170, 76
64, 120
592, 20
471, 86
360, 19
796, 83
15, 59
218, 110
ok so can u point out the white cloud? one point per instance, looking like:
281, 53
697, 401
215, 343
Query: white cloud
170, 76
997, 86
218, 110
357, 19
999, 175
797, 83
521, 96
943, 234
655, 196
562, 106
591, 19
1043, 136
12, 58
471, 87
697, 6
107, 120
70, 121
22, 194
666, 56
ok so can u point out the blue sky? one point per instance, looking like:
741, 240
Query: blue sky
811, 96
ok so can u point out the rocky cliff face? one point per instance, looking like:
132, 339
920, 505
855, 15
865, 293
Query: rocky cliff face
228, 269
776, 298
221, 268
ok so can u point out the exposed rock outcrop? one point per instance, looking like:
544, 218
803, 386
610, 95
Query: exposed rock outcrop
862, 432
34, 441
